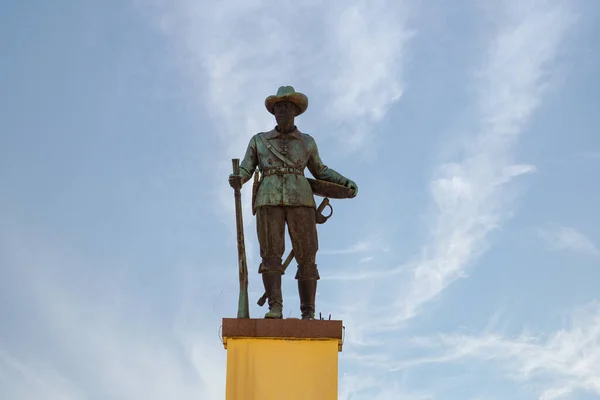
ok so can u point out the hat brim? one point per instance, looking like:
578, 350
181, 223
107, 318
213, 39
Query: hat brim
299, 99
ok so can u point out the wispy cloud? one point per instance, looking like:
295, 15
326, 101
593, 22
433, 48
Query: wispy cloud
363, 246
20, 381
558, 364
590, 154
95, 339
471, 195
346, 56
367, 388
366, 79
564, 238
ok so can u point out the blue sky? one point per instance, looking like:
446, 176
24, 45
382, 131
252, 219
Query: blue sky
467, 267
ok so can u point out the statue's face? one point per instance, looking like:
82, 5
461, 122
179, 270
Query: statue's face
285, 111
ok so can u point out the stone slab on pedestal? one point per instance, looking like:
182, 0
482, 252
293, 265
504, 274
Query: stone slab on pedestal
269, 359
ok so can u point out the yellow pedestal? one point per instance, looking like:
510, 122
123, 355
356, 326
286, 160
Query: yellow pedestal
282, 359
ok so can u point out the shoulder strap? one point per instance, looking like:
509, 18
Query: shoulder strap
277, 153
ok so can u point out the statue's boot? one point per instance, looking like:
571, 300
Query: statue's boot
272, 283
307, 289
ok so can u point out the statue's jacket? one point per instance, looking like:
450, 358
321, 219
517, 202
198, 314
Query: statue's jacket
282, 184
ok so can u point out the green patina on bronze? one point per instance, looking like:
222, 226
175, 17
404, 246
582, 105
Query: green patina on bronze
282, 185
285, 196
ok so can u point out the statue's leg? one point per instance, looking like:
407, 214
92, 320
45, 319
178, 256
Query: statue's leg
302, 228
270, 226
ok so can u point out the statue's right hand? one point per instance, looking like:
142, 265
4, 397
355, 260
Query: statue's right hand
235, 181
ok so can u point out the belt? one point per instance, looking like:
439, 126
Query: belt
281, 171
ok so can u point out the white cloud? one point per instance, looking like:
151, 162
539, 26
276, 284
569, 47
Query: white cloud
21, 381
564, 238
470, 195
345, 54
590, 154
96, 339
557, 365
368, 388
375, 244
235, 53
368, 46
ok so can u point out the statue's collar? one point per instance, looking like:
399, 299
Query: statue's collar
296, 134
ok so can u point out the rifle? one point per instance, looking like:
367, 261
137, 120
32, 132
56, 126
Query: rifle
320, 217
243, 311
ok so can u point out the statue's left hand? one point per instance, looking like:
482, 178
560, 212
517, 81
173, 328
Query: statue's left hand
350, 184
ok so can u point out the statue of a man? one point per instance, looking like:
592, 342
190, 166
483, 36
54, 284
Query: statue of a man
285, 196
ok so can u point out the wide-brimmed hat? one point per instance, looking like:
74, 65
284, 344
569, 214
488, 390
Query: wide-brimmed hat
287, 93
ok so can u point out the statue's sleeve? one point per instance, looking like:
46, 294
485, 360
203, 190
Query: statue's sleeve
318, 169
250, 161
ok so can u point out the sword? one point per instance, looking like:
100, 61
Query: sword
325, 203
255, 185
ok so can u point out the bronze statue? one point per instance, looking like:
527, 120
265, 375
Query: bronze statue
285, 196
